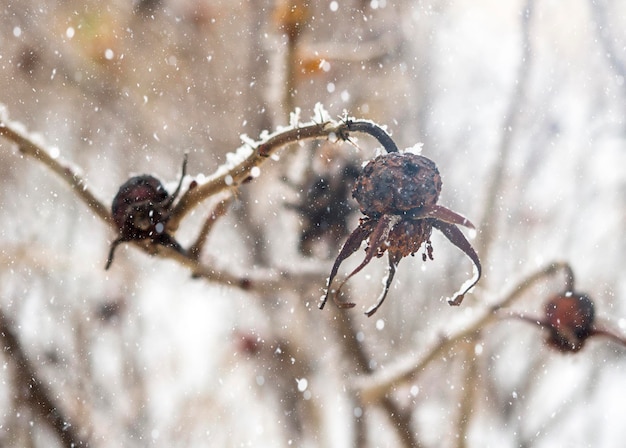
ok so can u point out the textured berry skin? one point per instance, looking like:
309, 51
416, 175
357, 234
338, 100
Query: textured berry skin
397, 183
570, 319
139, 206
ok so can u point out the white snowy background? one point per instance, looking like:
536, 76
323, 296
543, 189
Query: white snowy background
529, 92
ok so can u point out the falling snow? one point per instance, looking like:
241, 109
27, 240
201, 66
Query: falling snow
149, 354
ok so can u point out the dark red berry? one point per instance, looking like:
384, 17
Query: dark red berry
570, 320
141, 209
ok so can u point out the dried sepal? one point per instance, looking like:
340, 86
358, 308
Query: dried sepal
456, 237
444, 214
391, 271
377, 243
352, 244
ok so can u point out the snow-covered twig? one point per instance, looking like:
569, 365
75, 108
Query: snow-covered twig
243, 165
29, 147
378, 385
261, 282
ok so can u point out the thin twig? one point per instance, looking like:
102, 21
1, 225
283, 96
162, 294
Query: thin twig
469, 391
37, 395
229, 177
262, 281
376, 387
610, 334
400, 421
220, 210
71, 177
226, 178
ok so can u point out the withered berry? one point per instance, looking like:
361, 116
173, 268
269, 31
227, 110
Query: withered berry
570, 319
398, 194
141, 209
397, 183
325, 208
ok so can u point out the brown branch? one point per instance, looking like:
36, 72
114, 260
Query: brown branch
29, 148
254, 154
227, 177
400, 420
220, 210
377, 386
264, 281
468, 398
37, 396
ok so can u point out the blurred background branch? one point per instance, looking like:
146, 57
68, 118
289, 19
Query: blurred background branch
32, 389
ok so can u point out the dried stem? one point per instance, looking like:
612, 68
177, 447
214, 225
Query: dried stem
226, 178
469, 391
400, 420
379, 385
229, 177
71, 177
220, 210
610, 334
37, 396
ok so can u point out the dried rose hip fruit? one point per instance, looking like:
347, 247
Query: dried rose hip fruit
141, 209
570, 319
397, 183
398, 194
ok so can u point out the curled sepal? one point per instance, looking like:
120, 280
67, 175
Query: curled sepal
352, 244
457, 238
377, 239
393, 263
114, 245
447, 216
